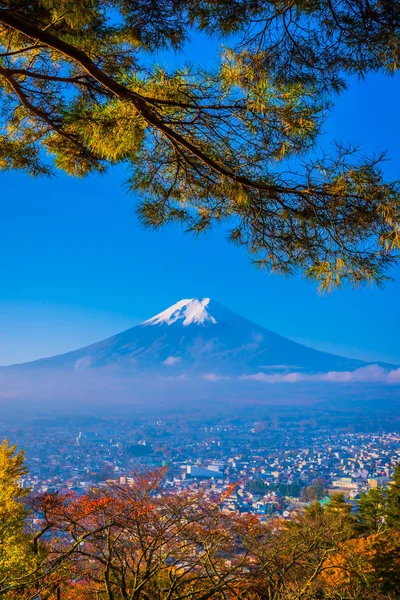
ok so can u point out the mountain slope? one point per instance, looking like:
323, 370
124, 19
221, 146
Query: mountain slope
195, 336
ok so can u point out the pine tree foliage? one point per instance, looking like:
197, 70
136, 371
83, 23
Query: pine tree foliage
393, 501
237, 144
379, 509
371, 510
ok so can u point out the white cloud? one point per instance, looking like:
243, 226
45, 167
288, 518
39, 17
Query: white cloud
178, 378
214, 377
368, 374
279, 367
82, 363
171, 360
258, 337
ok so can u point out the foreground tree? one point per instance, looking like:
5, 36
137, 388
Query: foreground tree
371, 511
289, 557
15, 553
392, 517
206, 147
130, 542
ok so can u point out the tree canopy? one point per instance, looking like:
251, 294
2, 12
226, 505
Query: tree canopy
14, 543
236, 144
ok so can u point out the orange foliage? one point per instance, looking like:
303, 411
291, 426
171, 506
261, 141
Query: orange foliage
130, 541
352, 562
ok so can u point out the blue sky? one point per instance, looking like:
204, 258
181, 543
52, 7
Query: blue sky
76, 266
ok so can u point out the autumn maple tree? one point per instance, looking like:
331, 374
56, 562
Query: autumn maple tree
132, 542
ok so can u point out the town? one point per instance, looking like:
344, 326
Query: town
276, 465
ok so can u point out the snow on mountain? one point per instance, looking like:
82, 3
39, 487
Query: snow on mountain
188, 312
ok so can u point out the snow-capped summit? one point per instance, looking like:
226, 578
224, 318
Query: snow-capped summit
188, 311
195, 336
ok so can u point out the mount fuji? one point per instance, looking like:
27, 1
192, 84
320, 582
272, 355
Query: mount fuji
182, 350
195, 335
